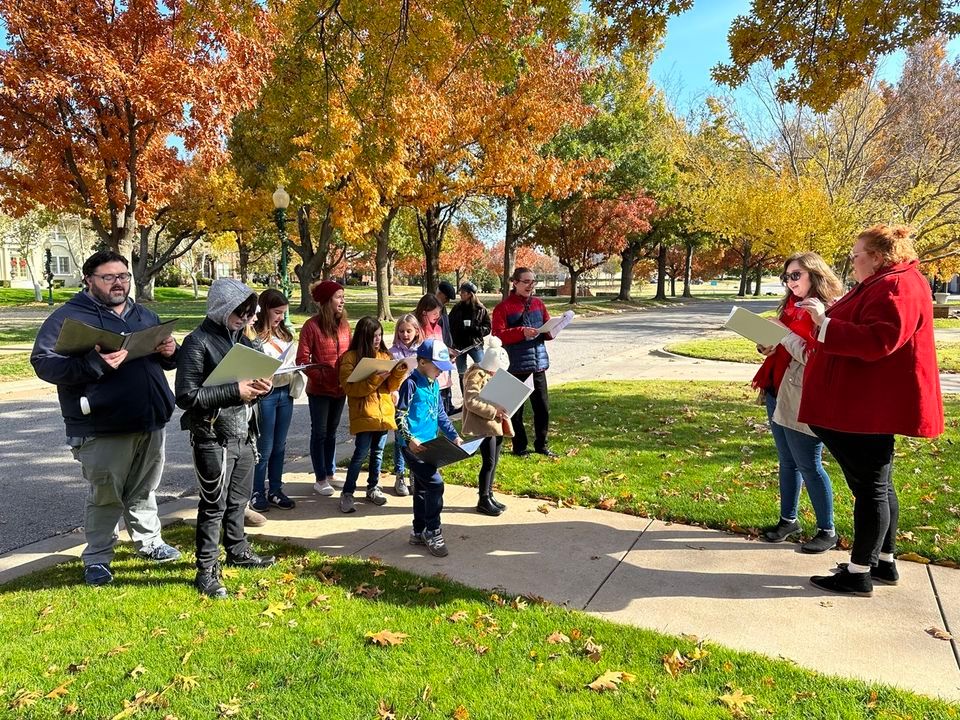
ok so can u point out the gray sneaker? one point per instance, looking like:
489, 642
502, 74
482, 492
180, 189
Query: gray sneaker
161, 553
416, 538
400, 486
346, 503
435, 543
376, 496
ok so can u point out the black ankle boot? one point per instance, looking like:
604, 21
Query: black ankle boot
497, 503
208, 582
845, 583
486, 506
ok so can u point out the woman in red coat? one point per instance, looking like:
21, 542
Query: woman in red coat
323, 340
872, 375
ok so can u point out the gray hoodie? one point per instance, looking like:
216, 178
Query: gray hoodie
225, 296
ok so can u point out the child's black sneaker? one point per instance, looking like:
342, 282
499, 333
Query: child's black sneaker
845, 583
259, 502
434, 542
279, 500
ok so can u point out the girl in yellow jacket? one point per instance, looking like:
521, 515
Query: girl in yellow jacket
371, 407
483, 419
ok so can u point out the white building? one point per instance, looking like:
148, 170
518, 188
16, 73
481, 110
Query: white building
19, 270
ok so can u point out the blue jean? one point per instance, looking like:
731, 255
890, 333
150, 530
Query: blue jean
325, 412
427, 493
276, 412
399, 466
801, 463
366, 442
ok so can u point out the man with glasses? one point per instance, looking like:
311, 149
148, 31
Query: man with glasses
115, 411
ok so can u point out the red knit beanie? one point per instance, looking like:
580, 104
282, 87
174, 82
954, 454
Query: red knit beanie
324, 291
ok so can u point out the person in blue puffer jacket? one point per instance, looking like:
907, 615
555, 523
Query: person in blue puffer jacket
516, 321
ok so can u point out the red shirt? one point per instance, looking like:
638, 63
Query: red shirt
876, 369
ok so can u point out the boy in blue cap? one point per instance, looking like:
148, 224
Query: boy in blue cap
420, 416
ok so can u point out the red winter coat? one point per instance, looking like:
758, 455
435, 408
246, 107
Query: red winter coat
876, 369
316, 347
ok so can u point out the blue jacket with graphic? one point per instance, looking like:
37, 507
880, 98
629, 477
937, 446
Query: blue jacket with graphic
420, 414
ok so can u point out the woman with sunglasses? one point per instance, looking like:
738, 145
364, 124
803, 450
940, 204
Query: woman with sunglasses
780, 382
516, 321
873, 374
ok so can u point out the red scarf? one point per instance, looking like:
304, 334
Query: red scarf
771, 373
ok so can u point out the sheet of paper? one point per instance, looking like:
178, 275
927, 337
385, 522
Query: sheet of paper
143, 342
293, 368
753, 327
553, 326
368, 366
505, 391
242, 363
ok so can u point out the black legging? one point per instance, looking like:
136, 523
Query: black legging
867, 464
541, 414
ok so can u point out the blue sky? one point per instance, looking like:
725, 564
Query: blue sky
697, 40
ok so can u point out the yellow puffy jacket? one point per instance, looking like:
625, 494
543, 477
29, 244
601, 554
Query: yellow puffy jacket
370, 400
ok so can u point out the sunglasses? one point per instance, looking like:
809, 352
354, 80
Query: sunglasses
794, 276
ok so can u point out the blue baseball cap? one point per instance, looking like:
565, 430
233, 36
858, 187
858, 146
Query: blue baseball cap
436, 352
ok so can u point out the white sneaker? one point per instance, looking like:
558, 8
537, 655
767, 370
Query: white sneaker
323, 487
346, 503
400, 486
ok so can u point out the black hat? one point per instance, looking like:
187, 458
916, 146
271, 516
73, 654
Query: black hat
447, 289
469, 287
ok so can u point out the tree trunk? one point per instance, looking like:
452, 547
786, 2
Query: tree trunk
142, 277
431, 228
661, 272
383, 264
509, 248
688, 271
390, 274
574, 278
673, 285
243, 258
628, 259
745, 271
756, 290
313, 259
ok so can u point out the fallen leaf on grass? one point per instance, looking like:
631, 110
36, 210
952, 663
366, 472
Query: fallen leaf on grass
118, 650
379, 572
872, 702
71, 709
938, 633
592, 650
913, 557
140, 700
428, 590
557, 637
186, 682
75, 668
276, 609
371, 592
461, 713
458, 616
736, 701
158, 631
137, 671
23, 698
674, 663
60, 690
46, 610
543, 509
384, 711
386, 638
230, 708
317, 600
607, 503
610, 680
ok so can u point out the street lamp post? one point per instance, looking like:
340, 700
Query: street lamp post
48, 271
281, 201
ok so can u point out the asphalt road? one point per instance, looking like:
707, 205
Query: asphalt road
43, 490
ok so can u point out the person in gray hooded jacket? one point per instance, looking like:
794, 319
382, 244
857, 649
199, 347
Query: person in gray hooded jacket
222, 421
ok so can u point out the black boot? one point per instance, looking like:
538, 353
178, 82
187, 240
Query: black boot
885, 571
208, 582
487, 507
497, 503
247, 558
845, 583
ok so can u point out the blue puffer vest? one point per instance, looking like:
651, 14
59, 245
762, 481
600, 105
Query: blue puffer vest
527, 355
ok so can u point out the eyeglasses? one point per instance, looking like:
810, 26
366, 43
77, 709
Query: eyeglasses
853, 256
110, 277
794, 276
526, 282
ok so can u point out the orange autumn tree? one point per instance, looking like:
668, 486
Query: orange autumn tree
91, 94
463, 255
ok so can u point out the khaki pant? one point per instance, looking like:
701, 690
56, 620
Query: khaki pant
124, 472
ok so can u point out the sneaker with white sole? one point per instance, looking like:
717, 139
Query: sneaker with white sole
434, 542
416, 538
161, 553
400, 486
323, 487
376, 496
346, 503
97, 574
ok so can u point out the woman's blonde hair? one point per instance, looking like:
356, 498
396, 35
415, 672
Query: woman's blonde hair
824, 283
894, 243
408, 319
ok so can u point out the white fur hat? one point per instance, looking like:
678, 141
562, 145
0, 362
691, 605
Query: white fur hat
494, 357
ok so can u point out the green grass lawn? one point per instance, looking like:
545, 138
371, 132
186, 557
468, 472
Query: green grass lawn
701, 453
734, 348
294, 642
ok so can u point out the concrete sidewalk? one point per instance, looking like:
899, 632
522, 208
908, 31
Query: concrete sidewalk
672, 578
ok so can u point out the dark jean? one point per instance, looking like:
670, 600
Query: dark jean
801, 463
427, 493
867, 464
225, 477
399, 466
276, 412
325, 412
541, 414
371, 443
